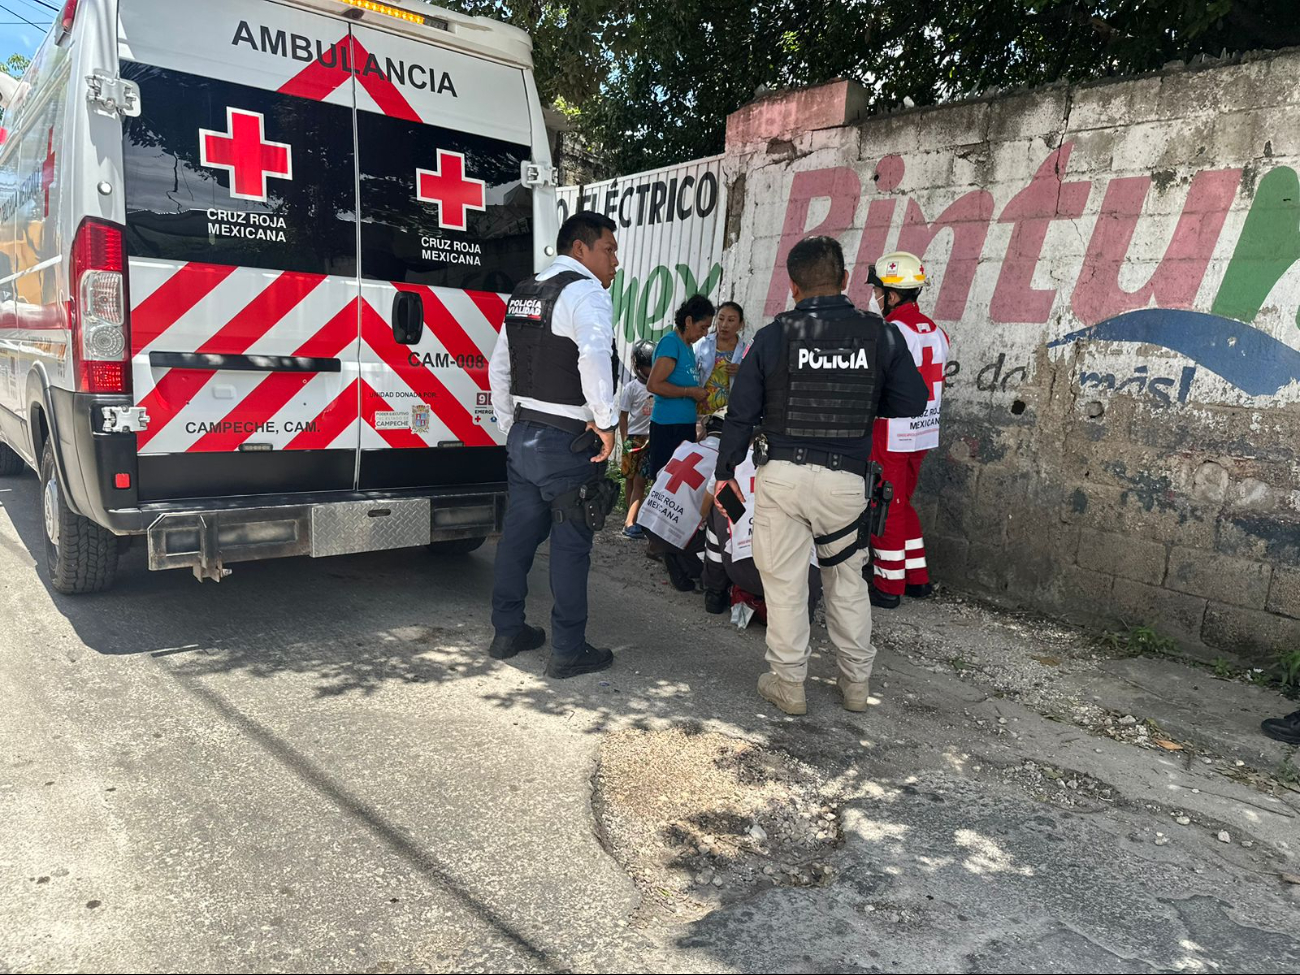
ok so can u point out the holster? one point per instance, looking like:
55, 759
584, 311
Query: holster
880, 493
589, 503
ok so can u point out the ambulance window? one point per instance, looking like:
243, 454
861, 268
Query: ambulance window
9, 188
227, 174
441, 207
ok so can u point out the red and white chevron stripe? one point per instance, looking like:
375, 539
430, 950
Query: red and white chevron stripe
377, 93
209, 308
456, 326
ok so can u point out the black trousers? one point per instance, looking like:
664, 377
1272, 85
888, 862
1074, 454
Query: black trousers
721, 571
664, 439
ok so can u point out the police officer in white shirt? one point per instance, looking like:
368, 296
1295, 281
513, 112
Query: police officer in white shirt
554, 398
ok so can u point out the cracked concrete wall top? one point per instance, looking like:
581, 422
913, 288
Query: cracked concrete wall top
1118, 265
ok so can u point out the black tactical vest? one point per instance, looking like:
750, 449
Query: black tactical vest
827, 383
543, 366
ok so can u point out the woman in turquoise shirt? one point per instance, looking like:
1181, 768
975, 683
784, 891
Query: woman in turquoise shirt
675, 382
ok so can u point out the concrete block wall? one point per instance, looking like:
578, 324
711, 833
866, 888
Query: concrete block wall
1118, 266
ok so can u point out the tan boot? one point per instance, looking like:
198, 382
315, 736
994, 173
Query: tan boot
786, 694
855, 693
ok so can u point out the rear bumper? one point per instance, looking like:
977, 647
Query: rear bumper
205, 533
206, 537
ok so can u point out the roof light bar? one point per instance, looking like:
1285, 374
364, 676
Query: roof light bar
385, 9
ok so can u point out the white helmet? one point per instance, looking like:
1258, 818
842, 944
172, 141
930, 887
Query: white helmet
901, 270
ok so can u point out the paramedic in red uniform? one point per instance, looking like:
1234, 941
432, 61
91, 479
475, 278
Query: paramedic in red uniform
900, 445
553, 396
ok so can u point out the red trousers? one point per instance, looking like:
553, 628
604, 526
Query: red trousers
900, 552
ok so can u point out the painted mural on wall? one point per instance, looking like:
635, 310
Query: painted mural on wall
1172, 304
1224, 339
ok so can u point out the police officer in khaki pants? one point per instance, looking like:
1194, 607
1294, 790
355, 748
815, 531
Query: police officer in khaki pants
813, 383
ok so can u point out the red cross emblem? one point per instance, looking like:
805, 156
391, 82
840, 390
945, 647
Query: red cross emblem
448, 187
683, 471
244, 152
47, 171
931, 371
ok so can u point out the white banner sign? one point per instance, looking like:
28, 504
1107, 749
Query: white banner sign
670, 229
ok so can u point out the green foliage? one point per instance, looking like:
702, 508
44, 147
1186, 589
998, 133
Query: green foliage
1287, 773
1141, 641
1288, 670
14, 67
1145, 640
654, 82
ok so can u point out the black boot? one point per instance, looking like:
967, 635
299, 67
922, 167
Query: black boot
716, 601
681, 581
923, 591
884, 600
505, 647
1283, 729
586, 661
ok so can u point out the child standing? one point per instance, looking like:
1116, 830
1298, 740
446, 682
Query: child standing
635, 406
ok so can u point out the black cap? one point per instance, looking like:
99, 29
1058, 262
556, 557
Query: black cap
713, 422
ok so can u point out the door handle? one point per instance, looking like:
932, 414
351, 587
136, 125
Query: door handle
408, 318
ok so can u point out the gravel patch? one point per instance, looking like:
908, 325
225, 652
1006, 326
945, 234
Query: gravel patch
701, 819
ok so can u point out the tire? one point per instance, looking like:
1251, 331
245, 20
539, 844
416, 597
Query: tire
80, 556
10, 463
456, 546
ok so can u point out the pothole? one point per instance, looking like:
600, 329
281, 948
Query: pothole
700, 820
1057, 785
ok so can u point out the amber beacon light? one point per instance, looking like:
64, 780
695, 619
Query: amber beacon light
383, 8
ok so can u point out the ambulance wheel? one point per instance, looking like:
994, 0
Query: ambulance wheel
456, 546
81, 556
10, 462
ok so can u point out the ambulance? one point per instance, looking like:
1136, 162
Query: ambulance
253, 261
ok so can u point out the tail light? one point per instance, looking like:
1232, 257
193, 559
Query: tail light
66, 18
98, 308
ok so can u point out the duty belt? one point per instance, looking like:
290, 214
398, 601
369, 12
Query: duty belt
568, 424
829, 459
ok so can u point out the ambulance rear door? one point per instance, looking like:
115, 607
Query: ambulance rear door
446, 233
242, 246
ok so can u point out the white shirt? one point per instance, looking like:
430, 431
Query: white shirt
585, 314
638, 404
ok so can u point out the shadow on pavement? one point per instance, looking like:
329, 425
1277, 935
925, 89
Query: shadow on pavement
967, 873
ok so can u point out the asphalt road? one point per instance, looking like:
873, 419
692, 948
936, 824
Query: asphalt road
313, 766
